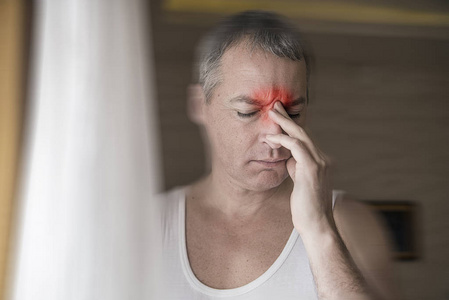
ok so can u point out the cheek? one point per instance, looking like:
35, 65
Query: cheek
228, 135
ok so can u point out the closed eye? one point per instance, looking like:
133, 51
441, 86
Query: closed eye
249, 115
295, 116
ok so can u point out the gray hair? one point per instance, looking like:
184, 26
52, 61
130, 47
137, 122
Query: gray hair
263, 30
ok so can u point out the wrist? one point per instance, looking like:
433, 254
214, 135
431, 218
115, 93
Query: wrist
319, 231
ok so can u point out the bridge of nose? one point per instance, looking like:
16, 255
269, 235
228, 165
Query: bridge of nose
267, 97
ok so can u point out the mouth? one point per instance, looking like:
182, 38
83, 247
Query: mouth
270, 163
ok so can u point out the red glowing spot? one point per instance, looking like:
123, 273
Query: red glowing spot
267, 97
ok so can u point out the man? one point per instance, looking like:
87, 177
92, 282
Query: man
265, 222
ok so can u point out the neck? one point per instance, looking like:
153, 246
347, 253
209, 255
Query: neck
234, 201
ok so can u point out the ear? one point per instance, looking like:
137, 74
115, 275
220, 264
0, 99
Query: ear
196, 101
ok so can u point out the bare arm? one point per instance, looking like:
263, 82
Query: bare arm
369, 244
335, 272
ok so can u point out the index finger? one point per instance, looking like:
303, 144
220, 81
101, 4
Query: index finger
280, 117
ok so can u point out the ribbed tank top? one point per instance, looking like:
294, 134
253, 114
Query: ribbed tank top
289, 277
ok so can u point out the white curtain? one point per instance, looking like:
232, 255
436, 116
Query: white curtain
91, 163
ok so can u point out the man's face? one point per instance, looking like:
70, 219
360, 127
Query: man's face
236, 119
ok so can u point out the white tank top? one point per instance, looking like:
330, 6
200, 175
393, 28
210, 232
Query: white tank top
289, 277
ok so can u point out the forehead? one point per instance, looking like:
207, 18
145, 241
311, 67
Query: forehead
245, 70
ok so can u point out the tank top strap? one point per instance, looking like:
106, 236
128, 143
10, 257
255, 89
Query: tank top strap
336, 194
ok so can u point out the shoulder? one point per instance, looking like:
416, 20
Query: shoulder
368, 242
349, 211
359, 223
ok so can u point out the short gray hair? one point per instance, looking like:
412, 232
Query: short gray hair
264, 30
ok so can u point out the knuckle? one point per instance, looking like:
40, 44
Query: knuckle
322, 164
297, 143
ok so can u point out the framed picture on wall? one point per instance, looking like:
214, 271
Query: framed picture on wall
401, 220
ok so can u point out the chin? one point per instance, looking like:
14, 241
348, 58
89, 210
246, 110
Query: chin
267, 180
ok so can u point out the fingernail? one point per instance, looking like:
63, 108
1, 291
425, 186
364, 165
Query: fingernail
278, 105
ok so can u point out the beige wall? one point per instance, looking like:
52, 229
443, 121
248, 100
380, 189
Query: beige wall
379, 107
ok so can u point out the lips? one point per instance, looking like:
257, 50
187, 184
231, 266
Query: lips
271, 162
273, 159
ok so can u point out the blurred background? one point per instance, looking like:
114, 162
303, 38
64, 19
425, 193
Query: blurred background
379, 106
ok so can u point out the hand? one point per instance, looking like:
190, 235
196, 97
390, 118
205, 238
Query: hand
311, 199
334, 271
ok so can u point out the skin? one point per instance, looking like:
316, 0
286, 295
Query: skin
267, 178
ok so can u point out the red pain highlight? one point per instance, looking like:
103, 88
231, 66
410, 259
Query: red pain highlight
267, 97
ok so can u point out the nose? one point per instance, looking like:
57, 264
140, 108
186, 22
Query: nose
268, 126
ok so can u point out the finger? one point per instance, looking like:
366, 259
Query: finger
279, 115
280, 108
294, 130
300, 152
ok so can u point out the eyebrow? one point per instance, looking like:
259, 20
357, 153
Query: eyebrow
246, 99
251, 101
